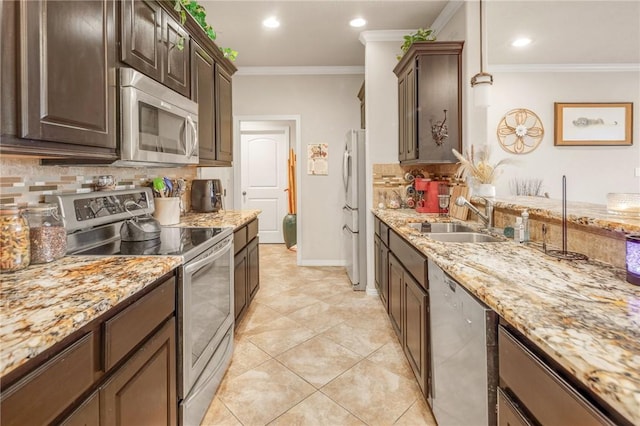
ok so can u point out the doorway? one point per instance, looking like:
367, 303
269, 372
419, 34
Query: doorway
263, 181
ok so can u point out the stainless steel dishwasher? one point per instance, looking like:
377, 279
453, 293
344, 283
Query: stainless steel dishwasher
464, 354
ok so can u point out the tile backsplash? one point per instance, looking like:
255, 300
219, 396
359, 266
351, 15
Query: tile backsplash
24, 180
389, 178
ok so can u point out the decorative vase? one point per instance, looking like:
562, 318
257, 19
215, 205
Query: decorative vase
289, 230
486, 190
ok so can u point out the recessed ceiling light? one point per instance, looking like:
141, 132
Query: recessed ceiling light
271, 22
357, 22
521, 42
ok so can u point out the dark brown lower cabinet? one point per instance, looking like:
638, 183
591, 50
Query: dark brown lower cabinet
528, 384
381, 255
240, 284
143, 390
246, 280
253, 267
416, 334
76, 384
401, 277
396, 277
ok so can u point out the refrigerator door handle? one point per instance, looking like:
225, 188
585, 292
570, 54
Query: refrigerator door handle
346, 159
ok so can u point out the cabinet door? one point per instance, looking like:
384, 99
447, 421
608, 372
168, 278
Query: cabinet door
141, 36
416, 330
411, 146
402, 121
377, 266
240, 284
439, 90
67, 78
203, 92
224, 136
176, 73
384, 276
253, 267
143, 390
396, 279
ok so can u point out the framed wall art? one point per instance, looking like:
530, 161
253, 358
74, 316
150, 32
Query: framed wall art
593, 124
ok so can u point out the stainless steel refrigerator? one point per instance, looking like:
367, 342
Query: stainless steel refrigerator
354, 209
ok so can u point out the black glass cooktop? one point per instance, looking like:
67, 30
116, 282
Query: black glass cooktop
172, 242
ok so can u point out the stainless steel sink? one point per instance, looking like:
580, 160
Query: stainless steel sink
464, 237
441, 227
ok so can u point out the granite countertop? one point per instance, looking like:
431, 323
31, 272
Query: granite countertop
584, 314
43, 304
226, 218
579, 213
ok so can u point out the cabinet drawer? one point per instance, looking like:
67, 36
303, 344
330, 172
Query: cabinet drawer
131, 326
413, 261
43, 394
252, 230
384, 233
376, 225
508, 413
239, 239
547, 396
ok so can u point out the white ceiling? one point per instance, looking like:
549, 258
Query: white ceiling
316, 33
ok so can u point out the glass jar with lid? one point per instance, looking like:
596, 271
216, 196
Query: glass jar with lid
48, 236
14, 239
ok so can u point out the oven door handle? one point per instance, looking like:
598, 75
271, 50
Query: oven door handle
191, 267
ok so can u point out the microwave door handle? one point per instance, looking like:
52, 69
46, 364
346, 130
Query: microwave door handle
194, 145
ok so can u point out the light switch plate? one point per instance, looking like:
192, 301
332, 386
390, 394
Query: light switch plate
637, 171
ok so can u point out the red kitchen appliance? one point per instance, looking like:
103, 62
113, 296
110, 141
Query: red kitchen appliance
428, 195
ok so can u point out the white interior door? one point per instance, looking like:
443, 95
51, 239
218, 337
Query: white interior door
264, 179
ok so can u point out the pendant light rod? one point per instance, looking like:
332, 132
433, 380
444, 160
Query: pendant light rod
482, 77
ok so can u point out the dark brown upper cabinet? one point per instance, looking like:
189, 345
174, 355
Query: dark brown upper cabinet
224, 122
203, 92
66, 85
430, 102
211, 89
155, 44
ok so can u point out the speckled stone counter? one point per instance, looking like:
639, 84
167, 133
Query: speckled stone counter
43, 304
234, 218
584, 315
578, 213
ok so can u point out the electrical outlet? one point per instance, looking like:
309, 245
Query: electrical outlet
637, 171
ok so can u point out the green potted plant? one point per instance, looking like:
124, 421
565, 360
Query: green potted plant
420, 35
200, 14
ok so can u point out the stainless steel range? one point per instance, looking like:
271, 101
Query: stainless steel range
205, 290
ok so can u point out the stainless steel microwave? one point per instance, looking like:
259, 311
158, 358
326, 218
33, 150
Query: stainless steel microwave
158, 127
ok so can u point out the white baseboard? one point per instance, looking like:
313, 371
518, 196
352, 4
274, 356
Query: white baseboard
322, 262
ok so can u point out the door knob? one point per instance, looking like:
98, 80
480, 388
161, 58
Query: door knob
244, 192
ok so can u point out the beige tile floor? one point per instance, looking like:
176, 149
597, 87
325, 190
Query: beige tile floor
310, 351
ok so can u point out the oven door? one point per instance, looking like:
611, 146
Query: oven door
206, 312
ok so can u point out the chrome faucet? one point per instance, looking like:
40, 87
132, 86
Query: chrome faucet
487, 217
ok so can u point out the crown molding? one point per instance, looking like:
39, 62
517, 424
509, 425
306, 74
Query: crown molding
316, 70
445, 16
383, 35
632, 67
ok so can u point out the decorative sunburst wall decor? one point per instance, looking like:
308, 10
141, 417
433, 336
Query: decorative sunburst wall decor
520, 131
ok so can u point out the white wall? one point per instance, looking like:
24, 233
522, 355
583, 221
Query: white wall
591, 172
381, 116
328, 106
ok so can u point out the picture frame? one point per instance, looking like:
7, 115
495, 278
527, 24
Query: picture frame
593, 124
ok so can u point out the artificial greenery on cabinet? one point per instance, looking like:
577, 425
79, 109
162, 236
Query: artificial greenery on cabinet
198, 12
